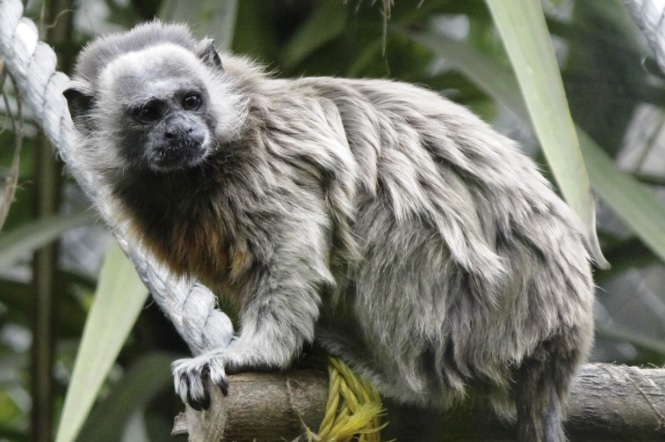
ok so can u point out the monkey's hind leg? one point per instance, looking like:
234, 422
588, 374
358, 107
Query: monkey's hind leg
540, 391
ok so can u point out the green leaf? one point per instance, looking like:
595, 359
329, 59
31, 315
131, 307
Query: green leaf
630, 200
146, 377
527, 41
17, 242
119, 298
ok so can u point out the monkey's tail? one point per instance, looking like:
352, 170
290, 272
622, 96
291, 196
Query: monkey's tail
541, 389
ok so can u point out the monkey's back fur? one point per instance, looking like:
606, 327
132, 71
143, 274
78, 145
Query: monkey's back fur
385, 223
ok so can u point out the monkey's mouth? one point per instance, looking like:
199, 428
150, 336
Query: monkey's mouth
178, 155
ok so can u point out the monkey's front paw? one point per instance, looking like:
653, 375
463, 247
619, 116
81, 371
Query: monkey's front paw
189, 376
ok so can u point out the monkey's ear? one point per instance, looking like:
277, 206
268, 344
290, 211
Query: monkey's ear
208, 54
80, 100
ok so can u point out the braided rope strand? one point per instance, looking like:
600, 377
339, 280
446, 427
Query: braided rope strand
354, 407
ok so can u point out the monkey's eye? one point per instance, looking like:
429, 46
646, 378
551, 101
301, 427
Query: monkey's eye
191, 101
148, 112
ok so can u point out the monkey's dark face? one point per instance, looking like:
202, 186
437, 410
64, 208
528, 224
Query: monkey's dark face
162, 109
167, 123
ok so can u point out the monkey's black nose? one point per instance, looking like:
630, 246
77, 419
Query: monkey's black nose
175, 131
179, 136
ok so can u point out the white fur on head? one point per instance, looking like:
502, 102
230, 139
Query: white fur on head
165, 62
150, 72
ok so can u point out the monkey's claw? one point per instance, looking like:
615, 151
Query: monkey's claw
189, 379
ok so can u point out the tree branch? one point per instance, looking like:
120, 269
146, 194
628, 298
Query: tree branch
608, 403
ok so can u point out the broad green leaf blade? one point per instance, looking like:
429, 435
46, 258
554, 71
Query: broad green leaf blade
119, 298
146, 377
15, 243
529, 47
629, 199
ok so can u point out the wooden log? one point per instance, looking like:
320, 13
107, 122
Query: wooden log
607, 403
260, 407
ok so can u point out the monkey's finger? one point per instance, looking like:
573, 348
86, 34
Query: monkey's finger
180, 382
217, 375
223, 386
198, 403
188, 379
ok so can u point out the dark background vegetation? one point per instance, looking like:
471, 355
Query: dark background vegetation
615, 94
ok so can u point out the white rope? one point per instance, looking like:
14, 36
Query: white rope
189, 305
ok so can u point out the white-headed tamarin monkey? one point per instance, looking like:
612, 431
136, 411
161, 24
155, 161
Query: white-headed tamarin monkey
376, 219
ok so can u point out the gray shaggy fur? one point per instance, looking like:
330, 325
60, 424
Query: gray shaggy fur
383, 222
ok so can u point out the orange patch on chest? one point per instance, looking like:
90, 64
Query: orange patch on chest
188, 249
241, 261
